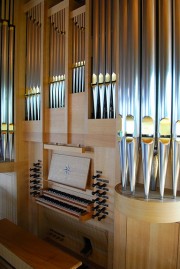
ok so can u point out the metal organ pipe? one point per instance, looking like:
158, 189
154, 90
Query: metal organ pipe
11, 91
129, 94
113, 53
176, 96
33, 59
7, 35
148, 90
101, 56
4, 86
103, 66
164, 87
95, 55
122, 90
133, 93
108, 57
145, 109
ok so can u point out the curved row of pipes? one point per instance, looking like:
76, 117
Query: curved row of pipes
149, 90
7, 36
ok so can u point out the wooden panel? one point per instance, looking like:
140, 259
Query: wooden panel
151, 210
178, 251
120, 222
163, 245
101, 133
137, 248
65, 148
69, 170
8, 196
32, 131
77, 107
55, 120
72, 234
145, 245
29, 250
7, 167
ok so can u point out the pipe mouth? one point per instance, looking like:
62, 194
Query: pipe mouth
164, 141
147, 140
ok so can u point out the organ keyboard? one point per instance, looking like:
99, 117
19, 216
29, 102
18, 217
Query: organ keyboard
75, 206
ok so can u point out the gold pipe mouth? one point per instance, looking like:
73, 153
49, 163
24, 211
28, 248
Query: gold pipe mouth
147, 140
164, 141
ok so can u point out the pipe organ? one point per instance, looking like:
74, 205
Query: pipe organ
99, 81
7, 39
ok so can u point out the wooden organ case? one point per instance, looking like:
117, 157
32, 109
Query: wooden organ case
70, 155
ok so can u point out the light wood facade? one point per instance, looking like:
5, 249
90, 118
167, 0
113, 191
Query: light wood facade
136, 234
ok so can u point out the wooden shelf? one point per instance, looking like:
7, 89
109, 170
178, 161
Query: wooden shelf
152, 210
65, 148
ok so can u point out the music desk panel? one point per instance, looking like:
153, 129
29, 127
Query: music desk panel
24, 250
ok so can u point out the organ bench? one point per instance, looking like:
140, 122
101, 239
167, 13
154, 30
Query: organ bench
24, 250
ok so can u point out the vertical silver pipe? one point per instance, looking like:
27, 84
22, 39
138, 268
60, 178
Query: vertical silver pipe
79, 54
164, 87
4, 87
76, 53
11, 92
95, 18
83, 52
73, 55
176, 96
28, 62
54, 61
51, 45
57, 59
38, 98
113, 53
122, 91
60, 57
63, 56
148, 91
147, 144
31, 44
133, 86
101, 56
35, 77
108, 57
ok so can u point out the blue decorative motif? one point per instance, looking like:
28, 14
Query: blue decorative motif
67, 169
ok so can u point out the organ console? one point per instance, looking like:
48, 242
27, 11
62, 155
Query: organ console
72, 205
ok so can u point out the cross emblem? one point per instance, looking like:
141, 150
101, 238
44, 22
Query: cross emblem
67, 169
